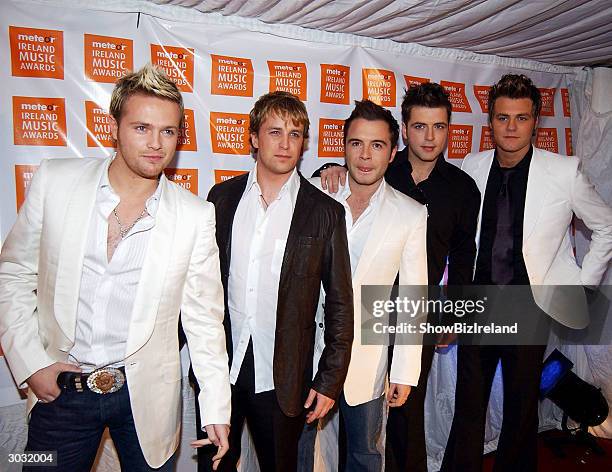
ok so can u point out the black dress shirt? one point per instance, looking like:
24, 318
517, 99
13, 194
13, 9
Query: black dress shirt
453, 203
517, 188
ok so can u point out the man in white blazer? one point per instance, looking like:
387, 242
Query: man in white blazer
386, 234
529, 197
104, 255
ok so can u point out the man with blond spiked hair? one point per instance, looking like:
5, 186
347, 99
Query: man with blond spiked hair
92, 279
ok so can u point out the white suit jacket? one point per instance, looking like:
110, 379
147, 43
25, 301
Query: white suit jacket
40, 272
396, 243
556, 190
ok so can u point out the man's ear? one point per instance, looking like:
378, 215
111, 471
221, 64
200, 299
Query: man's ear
404, 132
393, 153
535, 127
114, 126
254, 141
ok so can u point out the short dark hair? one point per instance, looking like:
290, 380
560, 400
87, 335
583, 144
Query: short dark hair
368, 110
515, 86
428, 95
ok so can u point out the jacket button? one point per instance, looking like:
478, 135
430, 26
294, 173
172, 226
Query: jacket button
320, 325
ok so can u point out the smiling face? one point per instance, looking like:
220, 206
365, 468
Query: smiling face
279, 143
426, 133
368, 151
513, 124
146, 135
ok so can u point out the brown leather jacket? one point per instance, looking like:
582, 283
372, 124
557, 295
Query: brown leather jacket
316, 253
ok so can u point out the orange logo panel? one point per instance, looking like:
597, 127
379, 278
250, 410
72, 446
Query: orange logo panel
221, 175
98, 126
547, 139
187, 135
335, 84
412, 80
23, 177
565, 101
39, 121
231, 76
331, 137
548, 101
486, 139
177, 63
378, 85
288, 76
229, 133
481, 92
458, 98
37, 52
186, 178
107, 58
459, 141
569, 149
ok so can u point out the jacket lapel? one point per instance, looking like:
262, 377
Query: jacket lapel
481, 176
226, 210
72, 250
537, 190
154, 269
301, 216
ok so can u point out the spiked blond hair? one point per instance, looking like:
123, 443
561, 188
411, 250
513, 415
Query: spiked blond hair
149, 80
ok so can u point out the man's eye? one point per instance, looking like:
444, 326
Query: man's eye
377, 146
140, 128
169, 132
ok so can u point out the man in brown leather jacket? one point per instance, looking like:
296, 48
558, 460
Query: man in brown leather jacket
280, 238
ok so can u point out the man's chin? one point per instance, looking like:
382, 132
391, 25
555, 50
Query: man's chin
427, 157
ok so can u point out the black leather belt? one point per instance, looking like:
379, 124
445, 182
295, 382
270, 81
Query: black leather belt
102, 381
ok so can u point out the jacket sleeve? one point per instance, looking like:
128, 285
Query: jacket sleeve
19, 333
202, 312
334, 362
406, 364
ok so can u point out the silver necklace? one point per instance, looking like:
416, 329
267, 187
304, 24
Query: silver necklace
124, 231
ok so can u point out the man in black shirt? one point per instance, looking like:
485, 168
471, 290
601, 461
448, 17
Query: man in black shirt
453, 200
530, 196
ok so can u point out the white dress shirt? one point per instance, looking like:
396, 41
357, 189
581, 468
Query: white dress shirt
108, 289
259, 237
357, 232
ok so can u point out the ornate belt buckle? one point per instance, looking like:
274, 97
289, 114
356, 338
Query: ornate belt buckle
105, 380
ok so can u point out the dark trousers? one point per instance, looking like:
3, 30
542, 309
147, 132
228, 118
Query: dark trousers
73, 424
405, 449
517, 447
275, 435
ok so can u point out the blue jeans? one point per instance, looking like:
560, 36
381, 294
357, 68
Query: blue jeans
362, 425
73, 424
